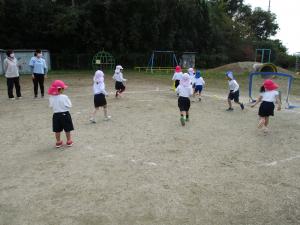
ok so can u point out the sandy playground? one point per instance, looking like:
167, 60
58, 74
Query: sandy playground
142, 167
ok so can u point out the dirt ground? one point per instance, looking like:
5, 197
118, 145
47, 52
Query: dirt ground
142, 167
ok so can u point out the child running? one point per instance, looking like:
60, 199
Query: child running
177, 76
99, 95
268, 95
234, 91
184, 91
199, 83
118, 77
61, 105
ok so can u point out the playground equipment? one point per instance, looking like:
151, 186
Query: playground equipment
161, 61
188, 60
266, 67
264, 53
256, 80
103, 60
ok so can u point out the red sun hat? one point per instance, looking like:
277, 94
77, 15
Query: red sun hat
57, 84
178, 69
270, 85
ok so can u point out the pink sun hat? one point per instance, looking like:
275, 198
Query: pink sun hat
270, 85
185, 80
178, 69
99, 76
55, 86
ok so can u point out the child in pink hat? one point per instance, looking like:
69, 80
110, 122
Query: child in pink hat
185, 91
268, 96
61, 105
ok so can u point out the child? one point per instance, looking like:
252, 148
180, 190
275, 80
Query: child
184, 90
268, 95
118, 77
177, 76
191, 73
234, 92
99, 95
199, 83
61, 105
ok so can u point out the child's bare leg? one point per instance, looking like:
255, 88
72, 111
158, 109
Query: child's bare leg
105, 111
267, 121
182, 117
261, 122
57, 136
229, 103
94, 112
68, 136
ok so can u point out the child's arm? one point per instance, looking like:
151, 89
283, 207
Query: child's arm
50, 102
68, 102
122, 78
258, 101
278, 102
203, 81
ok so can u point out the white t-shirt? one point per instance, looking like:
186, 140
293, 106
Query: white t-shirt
199, 81
184, 91
233, 85
99, 88
60, 103
269, 96
177, 76
118, 77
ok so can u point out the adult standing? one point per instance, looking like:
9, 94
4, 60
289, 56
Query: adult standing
12, 75
39, 72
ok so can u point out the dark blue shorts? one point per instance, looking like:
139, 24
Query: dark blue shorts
198, 88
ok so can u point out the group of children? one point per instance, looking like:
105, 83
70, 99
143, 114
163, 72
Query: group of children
186, 84
61, 104
191, 83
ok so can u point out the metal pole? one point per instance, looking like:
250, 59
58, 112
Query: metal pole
269, 9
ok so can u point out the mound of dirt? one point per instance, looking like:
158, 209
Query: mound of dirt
242, 67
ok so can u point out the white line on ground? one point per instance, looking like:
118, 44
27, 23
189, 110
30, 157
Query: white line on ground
274, 163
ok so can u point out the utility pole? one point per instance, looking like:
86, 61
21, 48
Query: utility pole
269, 9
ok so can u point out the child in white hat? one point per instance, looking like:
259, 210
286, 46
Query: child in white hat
99, 95
234, 91
184, 91
118, 77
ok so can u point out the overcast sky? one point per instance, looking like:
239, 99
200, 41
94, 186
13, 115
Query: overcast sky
288, 18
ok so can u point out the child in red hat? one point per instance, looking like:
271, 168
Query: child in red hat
268, 96
61, 105
177, 75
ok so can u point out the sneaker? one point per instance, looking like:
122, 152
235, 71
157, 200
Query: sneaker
59, 144
182, 120
69, 143
35, 97
13, 98
42, 96
242, 106
229, 109
19, 97
107, 118
92, 120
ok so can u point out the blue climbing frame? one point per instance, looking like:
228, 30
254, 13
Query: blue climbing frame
171, 54
268, 74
